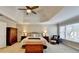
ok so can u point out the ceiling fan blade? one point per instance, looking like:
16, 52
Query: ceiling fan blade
34, 12
35, 7
21, 9
27, 7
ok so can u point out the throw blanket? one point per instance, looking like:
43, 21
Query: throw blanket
30, 40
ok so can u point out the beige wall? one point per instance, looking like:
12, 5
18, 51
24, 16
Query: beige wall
19, 27
5, 22
8, 21
2, 34
51, 29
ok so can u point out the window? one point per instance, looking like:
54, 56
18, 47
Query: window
70, 32
62, 32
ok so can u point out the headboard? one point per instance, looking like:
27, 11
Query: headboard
34, 34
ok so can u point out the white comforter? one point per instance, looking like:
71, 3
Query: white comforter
24, 41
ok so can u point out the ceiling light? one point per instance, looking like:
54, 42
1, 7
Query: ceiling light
29, 11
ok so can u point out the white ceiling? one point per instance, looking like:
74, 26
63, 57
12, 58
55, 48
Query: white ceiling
67, 13
45, 14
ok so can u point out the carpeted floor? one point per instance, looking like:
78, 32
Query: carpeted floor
15, 48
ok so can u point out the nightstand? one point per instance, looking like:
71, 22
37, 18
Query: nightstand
46, 37
22, 37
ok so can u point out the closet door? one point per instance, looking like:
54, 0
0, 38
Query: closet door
2, 34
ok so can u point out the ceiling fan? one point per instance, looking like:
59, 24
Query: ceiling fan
29, 9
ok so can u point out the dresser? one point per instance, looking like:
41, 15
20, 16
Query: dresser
11, 35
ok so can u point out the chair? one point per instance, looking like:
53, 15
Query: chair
55, 39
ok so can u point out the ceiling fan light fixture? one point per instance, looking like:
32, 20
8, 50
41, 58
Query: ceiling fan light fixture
29, 11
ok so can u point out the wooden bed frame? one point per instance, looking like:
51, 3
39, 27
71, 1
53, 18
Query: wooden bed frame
34, 48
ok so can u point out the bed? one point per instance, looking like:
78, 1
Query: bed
34, 43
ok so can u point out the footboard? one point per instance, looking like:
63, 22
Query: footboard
34, 48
